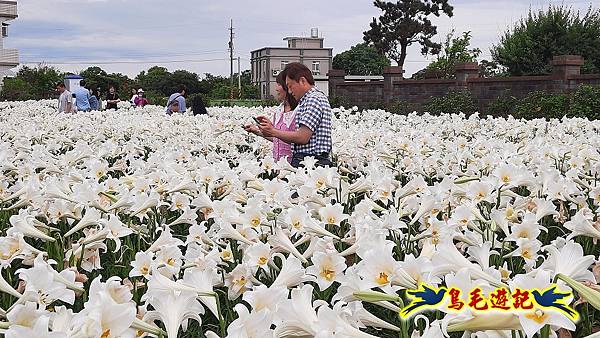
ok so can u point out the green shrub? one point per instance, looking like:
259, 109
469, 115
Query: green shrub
502, 106
456, 101
340, 101
401, 107
542, 105
585, 102
156, 98
270, 102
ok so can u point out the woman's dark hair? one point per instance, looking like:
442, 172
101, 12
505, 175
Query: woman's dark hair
289, 98
296, 70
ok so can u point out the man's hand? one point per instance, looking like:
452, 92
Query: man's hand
266, 127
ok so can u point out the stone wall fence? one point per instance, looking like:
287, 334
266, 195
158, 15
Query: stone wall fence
566, 76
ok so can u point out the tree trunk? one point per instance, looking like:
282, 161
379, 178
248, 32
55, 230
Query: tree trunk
400, 62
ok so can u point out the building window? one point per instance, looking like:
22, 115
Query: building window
4, 30
316, 68
264, 68
283, 64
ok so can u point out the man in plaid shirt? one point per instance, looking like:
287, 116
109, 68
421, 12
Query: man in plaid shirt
313, 118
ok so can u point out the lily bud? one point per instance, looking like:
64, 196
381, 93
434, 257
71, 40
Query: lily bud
374, 296
590, 295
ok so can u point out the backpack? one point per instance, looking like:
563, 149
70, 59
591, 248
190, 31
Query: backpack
170, 103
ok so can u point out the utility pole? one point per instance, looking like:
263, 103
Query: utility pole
231, 59
239, 78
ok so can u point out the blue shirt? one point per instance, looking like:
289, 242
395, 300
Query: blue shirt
314, 112
93, 102
180, 99
83, 99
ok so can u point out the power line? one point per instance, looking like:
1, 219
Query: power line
121, 62
136, 55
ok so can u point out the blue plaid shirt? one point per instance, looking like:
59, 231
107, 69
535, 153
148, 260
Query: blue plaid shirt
314, 112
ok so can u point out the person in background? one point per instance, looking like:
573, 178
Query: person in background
94, 100
178, 97
312, 138
112, 98
140, 100
74, 98
65, 100
198, 107
133, 97
99, 96
82, 95
284, 119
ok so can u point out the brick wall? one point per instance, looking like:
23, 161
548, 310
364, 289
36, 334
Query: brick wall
393, 88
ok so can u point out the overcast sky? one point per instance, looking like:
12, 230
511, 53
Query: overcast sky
129, 36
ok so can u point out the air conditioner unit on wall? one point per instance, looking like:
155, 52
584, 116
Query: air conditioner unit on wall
275, 72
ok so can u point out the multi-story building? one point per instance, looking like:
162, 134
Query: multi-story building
268, 62
9, 58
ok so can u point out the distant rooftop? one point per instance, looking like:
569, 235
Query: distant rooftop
302, 38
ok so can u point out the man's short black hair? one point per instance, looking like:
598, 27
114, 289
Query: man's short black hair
60, 84
82, 83
297, 70
182, 88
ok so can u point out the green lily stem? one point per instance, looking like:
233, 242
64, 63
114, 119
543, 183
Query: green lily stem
221, 320
545, 332
404, 324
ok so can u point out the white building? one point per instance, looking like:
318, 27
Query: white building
268, 62
9, 58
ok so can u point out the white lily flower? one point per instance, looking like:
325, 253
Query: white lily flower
24, 223
91, 217
327, 268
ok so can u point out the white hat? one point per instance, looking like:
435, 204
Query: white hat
140, 90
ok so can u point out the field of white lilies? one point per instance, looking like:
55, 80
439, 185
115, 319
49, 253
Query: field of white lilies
134, 223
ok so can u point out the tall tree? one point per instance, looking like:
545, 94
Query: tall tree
404, 23
529, 46
361, 59
97, 77
32, 83
455, 50
156, 79
187, 78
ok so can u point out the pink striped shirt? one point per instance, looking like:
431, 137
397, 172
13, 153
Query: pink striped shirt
285, 121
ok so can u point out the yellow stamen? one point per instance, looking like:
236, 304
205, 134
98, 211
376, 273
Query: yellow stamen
382, 279
327, 274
